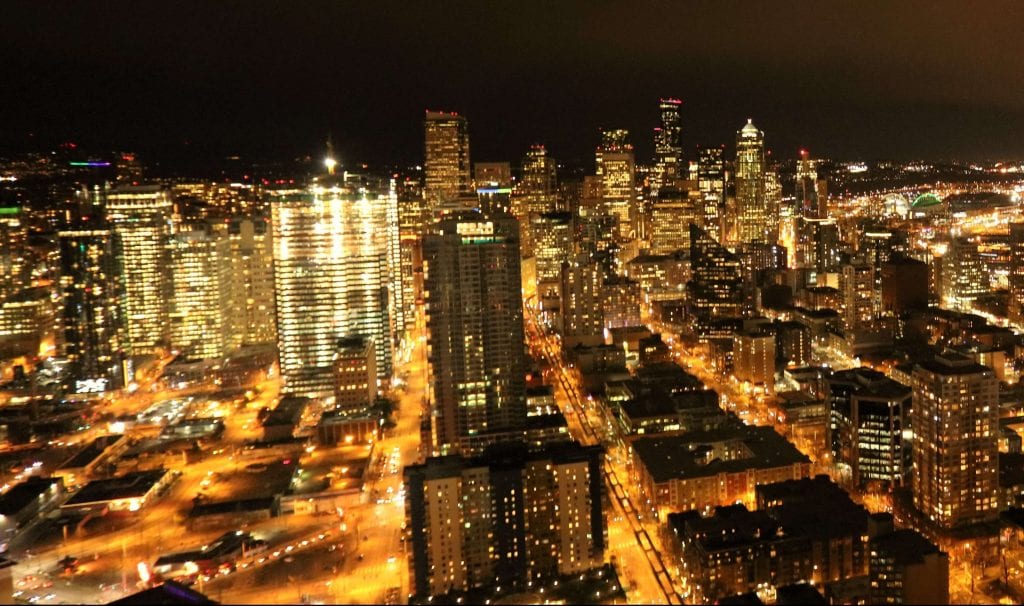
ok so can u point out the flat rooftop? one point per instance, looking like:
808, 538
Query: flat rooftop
684, 456
129, 486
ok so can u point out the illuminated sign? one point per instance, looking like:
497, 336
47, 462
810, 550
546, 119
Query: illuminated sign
475, 229
91, 385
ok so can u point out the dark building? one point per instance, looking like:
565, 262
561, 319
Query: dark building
868, 413
906, 568
474, 313
803, 531
904, 284
90, 316
716, 285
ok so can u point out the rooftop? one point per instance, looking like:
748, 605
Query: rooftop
129, 486
685, 456
905, 546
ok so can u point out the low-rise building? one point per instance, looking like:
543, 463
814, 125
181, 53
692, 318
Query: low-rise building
128, 493
704, 469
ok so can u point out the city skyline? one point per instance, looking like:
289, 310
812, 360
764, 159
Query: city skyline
473, 303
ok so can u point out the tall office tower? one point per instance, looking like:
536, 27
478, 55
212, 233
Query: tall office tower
868, 414
773, 203
90, 316
446, 166
202, 326
251, 282
616, 168
413, 221
552, 232
861, 293
668, 145
955, 416
512, 519
493, 181
964, 276
752, 213
671, 216
811, 194
711, 183
582, 287
13, 250
141, 219
716, 287
539, 186
474, 300
818, 244
335, 260
1016, 277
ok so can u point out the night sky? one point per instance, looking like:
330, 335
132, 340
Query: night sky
846, 80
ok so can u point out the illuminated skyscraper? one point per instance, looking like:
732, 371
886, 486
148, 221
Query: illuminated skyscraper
668, 146
539, 187
141, 219
582, 287
753, 221
616, 170
90, 317
811, 194
671, 216
447, 166
13, 243
963, 276
955, 417
493, 182
251, 282
335, 260
553, 231
202, 326
413, 219
711, 182
475, 323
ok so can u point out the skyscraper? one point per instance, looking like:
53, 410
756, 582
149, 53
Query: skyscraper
671, 216
251, 282
539, 186
90, 317
753, 221
668, 146
616, 170
716, 286
810, 199
141, 219
582, 287
475, 325
868, 414
711, 182
493, 182
955, 416
13, 242
553, 232
335, 260
446, 166
202, 326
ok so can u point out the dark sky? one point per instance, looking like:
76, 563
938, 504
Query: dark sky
847, 80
